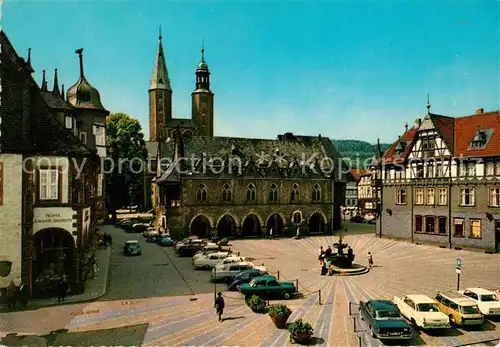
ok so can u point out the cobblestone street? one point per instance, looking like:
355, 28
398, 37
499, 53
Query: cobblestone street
400, 268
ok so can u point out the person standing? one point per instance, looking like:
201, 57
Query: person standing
23, 294
219, 305
298, 233
62, 289
321, 255
271, 234
370, 260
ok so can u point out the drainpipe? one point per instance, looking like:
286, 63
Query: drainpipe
449, 202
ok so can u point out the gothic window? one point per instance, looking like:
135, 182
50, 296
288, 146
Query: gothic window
316, 194
295, 193
201, 193
226, 193
273, 193
297, 218
203, 111
251, 193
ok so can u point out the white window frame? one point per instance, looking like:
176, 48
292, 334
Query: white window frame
442, 196
401, 197
430, 198
471, 169
490, 169
48, 182
419, 196
100, 135
99, 184
68, 122
463, 193
494, 197
497, 168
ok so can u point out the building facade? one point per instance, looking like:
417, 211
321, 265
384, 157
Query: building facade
51, 186
236, 186
350, 207
440, 182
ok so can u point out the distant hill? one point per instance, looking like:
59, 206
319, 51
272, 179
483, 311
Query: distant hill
358, 153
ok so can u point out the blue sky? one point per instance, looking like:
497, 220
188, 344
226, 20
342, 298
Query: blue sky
345, 69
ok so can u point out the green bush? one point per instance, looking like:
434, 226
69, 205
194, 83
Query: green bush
299, 327
257, 304
279, 310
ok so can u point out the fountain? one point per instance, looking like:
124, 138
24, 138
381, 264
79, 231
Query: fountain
341, 262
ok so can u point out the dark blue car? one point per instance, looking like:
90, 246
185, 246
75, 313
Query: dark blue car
384, 320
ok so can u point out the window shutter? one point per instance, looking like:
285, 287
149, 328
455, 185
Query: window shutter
94, 130
43, 184
54, 184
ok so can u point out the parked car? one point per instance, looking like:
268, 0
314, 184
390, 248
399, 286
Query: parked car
384, 320
422, 312
268, 287
207, 249
149, 232
164, 240
226, 272
485, 299
140, 227
132, 247
245, 277
184, 241
210, 260
232, 259
191, 247
461, 309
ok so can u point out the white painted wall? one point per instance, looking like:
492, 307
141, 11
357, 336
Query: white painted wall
10, 216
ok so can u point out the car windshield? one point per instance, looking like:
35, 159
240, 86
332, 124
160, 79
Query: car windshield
488, 297
133, 245
428, 307
469, 309
388, 314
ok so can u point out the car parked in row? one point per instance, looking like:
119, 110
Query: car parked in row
210, 260
384, 320
460, 309
243, 277
422, 312
209, 248
268, 286
190, 247
485, 299
164, 240
226, 272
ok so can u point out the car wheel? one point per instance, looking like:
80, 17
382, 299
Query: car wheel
452, 320
227, 279
287, 296
414, 324
238, 287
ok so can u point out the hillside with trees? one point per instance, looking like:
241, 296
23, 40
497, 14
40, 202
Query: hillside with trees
358, 153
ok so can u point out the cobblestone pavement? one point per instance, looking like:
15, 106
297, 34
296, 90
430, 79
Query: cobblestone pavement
401, 268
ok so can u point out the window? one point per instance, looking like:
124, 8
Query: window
495, 197
471, 169
442, 196
490, 169
419, 196
430, 196
428, 148
441, 225
316, 194
201, 193
49, 184
439, 170
430, 224
251, 194
99, 184
420, 171
226, 193
273, 193
100, 135
83, 137
475, 228
295, 193
497, 168
467, 197
458, 224
68, 121
429, 170
297, 218
401, 197
418, 224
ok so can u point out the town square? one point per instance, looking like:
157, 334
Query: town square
249, 173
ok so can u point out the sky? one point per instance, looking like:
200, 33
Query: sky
342, 69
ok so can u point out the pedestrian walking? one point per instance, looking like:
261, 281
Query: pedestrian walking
298, 233
271, 234
62, 289
219, 305
370, 260
321, 255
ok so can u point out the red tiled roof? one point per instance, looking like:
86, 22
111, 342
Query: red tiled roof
445, 127
391, 157
466, 128
357, 173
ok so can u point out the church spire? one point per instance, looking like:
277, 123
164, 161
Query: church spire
428, 105
159, 78
44, 82
202, 72
55, 89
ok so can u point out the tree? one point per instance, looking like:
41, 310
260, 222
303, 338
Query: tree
127, 151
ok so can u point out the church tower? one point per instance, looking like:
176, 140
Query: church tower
160, 97
203, 100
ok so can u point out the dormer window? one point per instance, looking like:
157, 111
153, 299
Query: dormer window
480, 139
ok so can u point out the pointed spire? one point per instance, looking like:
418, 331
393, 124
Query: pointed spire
80, 56
159, 78
406, 126
428, 105
28, 61
44, 82
159, 33
62, 92
203, 50
55, 89
377, 155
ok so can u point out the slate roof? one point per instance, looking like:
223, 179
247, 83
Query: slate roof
55, 101
466, 128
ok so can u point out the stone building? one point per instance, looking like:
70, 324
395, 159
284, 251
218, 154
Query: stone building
440, 182
51, 187
236, 186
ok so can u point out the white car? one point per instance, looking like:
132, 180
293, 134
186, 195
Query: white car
422, 311
189, 242
210, 260
150, 232
485, 299
226, 272
208, 249
232, 259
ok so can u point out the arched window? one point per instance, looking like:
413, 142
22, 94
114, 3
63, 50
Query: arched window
251, 193
297, 217
316, 193
201, 194
273, 193
295, 193
226, 193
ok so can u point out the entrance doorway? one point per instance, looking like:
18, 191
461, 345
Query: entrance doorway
226, 227
200, 227
316, 223
275, 222
497, 235
251, 226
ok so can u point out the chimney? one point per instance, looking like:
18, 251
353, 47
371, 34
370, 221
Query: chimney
480, 111
406, 126
418, 121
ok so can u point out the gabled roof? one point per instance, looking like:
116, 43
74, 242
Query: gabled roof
390, 155
467, 127
357, 173
445, 127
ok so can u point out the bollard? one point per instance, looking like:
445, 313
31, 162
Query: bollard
359, 341
350, 310
354, 323
319, 294
278, 275
297, 284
